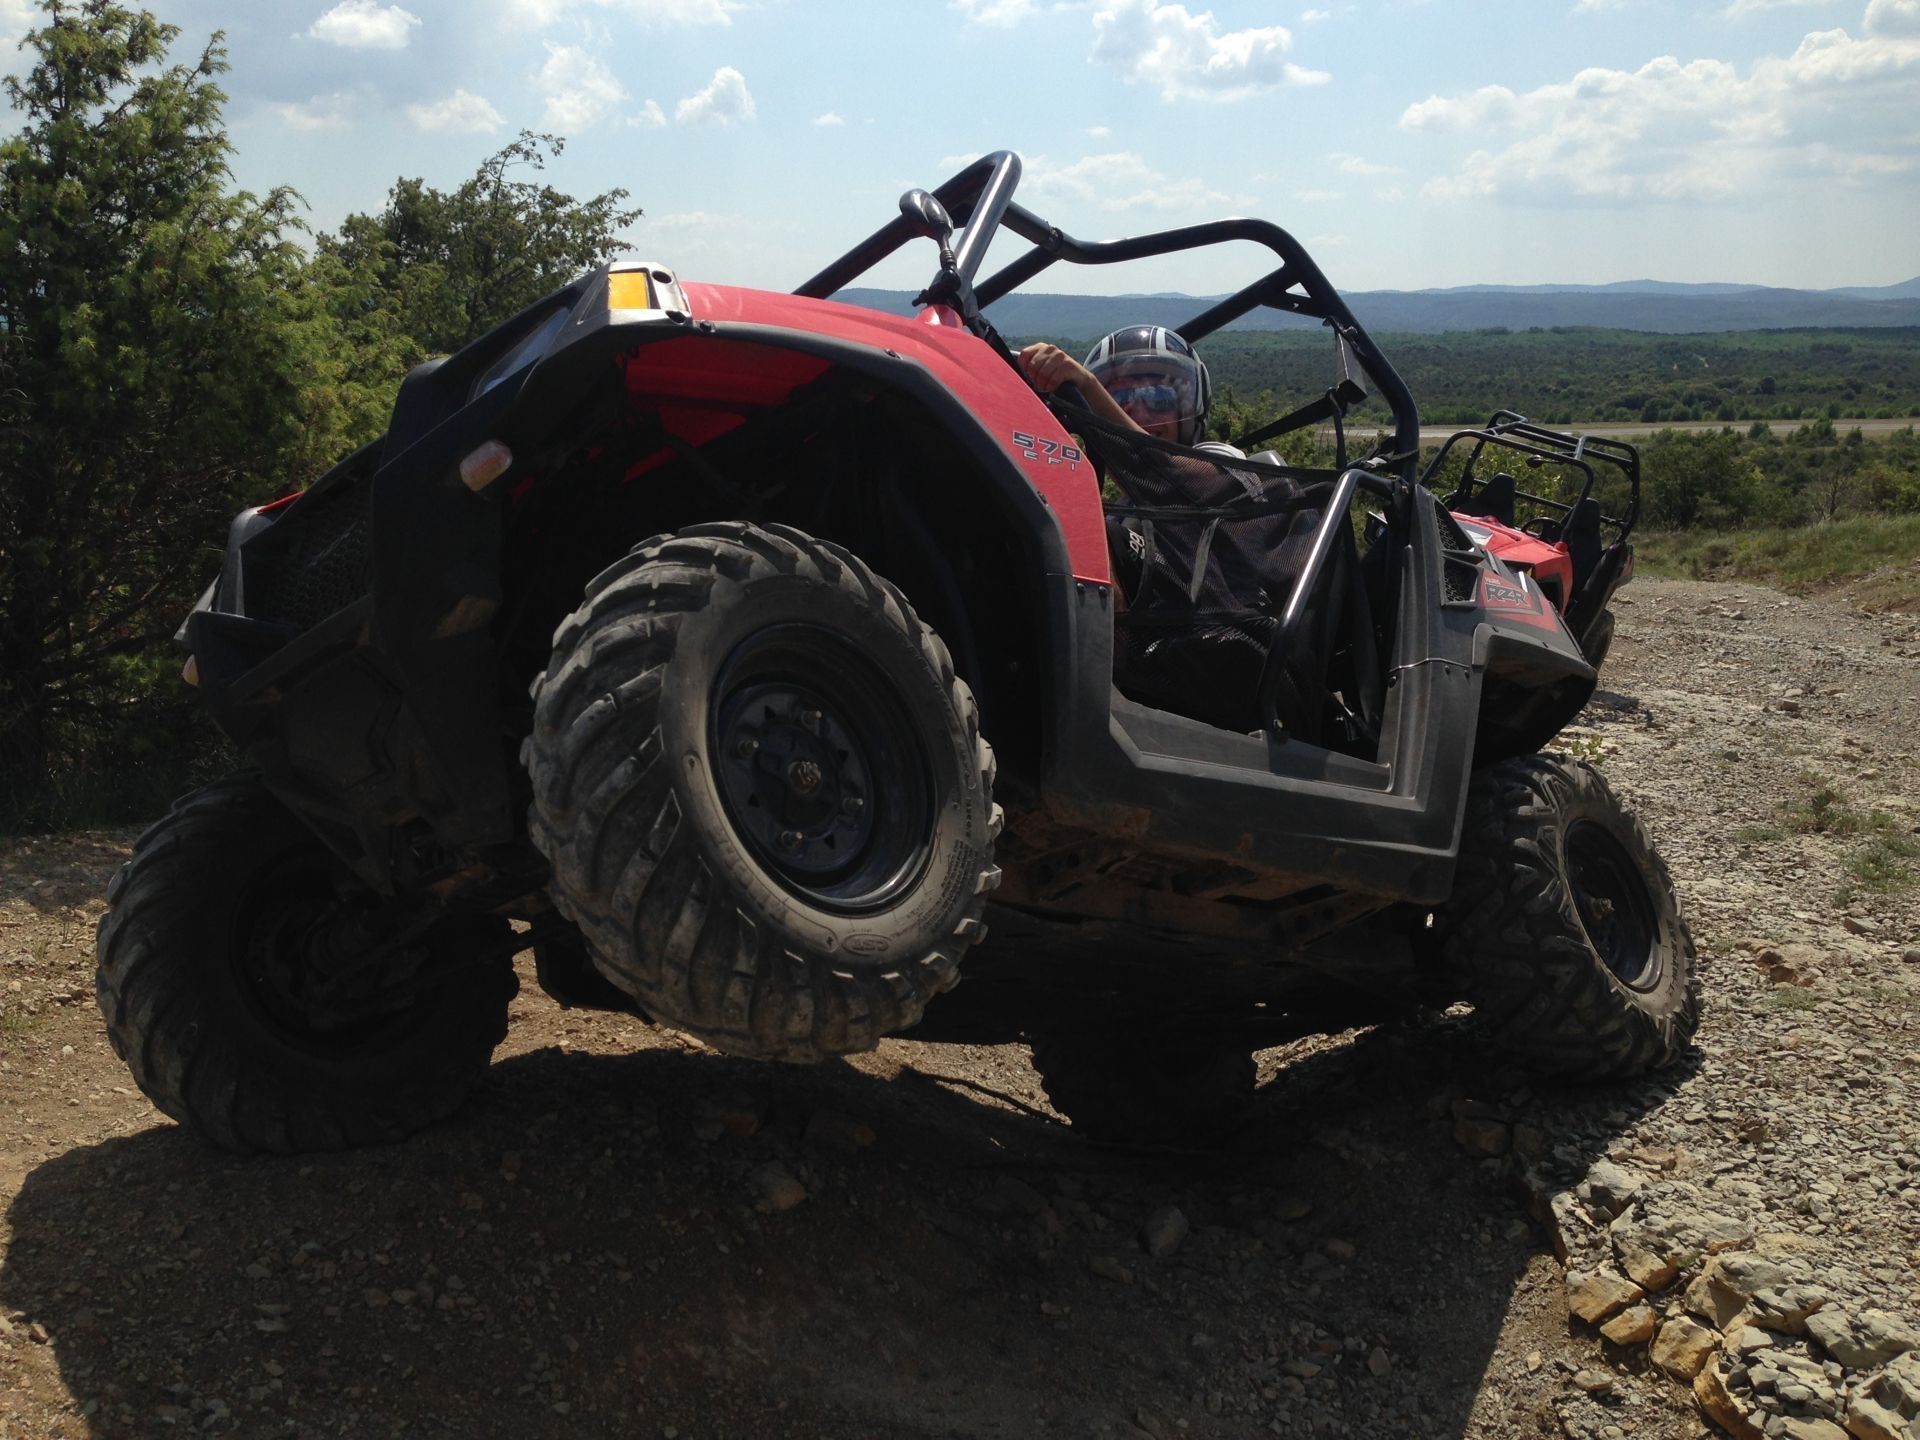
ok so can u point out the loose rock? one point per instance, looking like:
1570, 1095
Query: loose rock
1632, 1326
1862, 1341
1595, 1297
831, 1130
778, 1189
1682, 1347
1710, 1389
1163, 1232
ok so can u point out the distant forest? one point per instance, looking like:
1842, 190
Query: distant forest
1578, 376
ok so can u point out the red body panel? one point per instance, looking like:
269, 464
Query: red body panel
1550, 564
1020, 424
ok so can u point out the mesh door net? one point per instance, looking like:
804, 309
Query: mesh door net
1205, 548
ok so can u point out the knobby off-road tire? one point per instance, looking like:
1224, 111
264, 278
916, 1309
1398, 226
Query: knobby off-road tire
199, 957
1131, 1087
763, 792
1598, 639
1563, 927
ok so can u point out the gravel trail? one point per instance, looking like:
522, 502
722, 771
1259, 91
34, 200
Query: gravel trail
626, 1235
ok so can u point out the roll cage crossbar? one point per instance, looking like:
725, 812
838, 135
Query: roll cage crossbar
980, 197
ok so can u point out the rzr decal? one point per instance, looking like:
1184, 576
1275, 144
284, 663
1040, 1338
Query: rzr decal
1496, 596
1052, 451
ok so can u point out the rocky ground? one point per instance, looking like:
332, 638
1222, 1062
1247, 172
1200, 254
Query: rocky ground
626, 1235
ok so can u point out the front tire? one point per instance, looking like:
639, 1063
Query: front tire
1563, 927
205, 963
763, 792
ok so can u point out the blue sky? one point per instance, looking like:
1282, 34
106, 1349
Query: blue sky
1409, 143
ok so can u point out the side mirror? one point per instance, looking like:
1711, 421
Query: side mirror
929, 216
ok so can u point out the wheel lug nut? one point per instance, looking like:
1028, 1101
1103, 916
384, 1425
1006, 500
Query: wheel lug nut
789, 839
852, 805
747, 748
810, 719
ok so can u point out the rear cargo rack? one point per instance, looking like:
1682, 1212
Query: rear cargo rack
1510, 431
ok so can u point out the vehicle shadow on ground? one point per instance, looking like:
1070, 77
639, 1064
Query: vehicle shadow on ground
580, 1253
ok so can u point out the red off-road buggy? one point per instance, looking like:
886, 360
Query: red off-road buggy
1577, 554
675, 620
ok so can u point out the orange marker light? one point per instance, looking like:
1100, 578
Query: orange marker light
485, 465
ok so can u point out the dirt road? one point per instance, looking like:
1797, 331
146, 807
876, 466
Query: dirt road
1871, 429
626, 1236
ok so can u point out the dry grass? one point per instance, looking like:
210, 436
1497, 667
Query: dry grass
1872, 556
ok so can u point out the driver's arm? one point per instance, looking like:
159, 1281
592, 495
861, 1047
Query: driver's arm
1048, 367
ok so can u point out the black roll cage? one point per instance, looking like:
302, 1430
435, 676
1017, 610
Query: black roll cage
1510, 431
980, 198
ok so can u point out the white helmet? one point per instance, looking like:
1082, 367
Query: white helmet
1153, 370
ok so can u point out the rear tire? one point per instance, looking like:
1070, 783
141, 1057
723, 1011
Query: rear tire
1563, 926
202, 968
763, 792
1130, 1087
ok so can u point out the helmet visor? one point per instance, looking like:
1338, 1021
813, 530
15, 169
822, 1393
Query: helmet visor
1149, 389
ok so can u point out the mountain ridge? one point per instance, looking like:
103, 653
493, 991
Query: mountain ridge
1653, 306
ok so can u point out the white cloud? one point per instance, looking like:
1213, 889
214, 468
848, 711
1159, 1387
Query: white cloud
1357, 165
658, 14
578, 88
830, 119
1116, 181
322, 112
649, 117
461, 113
1837, 106
1186, 56
1099, 132
1315, 197
684, 221
724, 100
1314, 17
365, 25
1490, 105
1739, 8
17, 17
680, 12
1893, 17
1002, 13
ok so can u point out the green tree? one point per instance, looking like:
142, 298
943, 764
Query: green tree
450, 265
152, 369
1699, 479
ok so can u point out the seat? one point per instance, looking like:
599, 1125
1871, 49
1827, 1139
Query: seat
1581, 534
1494, 500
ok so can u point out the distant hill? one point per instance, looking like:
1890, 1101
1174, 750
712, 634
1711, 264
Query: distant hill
1661, 307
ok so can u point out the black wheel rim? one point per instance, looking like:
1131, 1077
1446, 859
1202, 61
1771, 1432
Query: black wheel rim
1614, 904
283, 926
823, 773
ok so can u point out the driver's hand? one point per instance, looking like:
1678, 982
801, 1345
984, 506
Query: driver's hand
1048, 367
